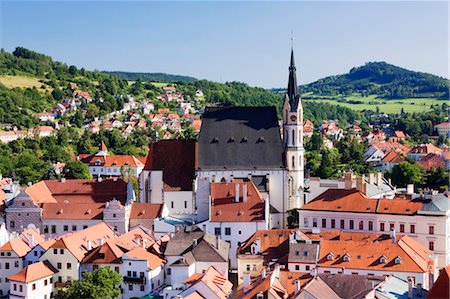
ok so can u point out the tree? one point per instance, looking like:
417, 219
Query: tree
437, 179
77, 170
78, 119
406, 173
98, 284
315, 143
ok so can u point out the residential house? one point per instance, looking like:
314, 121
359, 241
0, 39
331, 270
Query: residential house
67, 253
432, 161
34, 281
390, 160
192, 251
443, 129
106, 165
237, 211
422, 150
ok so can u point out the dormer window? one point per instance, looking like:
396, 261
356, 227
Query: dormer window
383, 260
97, 162
346, 258
330, 256
398, 260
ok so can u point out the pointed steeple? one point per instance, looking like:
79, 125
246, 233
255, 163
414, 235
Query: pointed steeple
292, 90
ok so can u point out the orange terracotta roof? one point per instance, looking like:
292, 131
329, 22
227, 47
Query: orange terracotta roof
146, 210
25, 235
72, 210
385, 146
447, 124
426, 148
153, 261
287, 279
76, 242
46, 244
135, 238
432, 161
342, 200
33, 272
225, 209
108, 253
193, 278
399, 134
393, 157
366, 255
16, 245
217, 283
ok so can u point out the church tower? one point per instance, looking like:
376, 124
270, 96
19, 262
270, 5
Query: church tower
293, 137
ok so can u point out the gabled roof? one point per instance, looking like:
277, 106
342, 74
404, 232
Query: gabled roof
393, 157
33, 272
225, 209
135, 238
177, 159
153, 261
206, 250
76, 242
240, 138
17, 245
441, 288
216, 282
427, 148
108, 253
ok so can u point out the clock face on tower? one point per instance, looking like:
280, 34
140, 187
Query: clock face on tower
293, 118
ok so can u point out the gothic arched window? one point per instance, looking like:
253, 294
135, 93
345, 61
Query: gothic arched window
293, 137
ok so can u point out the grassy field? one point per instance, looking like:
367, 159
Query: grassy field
372, 102
23, 82
157, 84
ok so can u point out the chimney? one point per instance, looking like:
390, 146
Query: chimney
144, 243
348, 179
31, 240
231, 178
410, 189
29, 184
217, 242
297, 287
100, 241
372, 178
392, 234
99, 179
194, 242
276, 271
63, 180
246, 281
236, 193
244, 192
419, 290
263, 273
89, 245
410, 289
379, 178
361, 184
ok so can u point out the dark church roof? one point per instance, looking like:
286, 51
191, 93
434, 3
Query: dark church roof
240, 138
292, 92
177, 159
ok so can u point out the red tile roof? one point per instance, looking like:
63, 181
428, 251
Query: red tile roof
427, 148
441, 288
146, 210
16, 245
178, 161
108, 253
33, 272
393, 157
447, 124
153, 261
225, 209
432, 161
366, 255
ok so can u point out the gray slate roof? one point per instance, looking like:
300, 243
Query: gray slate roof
240, 138
182, 244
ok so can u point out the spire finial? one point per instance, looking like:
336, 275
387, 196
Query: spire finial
292, 40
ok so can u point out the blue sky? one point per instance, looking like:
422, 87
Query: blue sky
232, 41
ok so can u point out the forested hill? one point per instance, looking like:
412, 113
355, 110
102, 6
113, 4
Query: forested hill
384, 80
152, 77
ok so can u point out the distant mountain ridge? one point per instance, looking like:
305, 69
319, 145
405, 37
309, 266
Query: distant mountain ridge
152, 77
383, 79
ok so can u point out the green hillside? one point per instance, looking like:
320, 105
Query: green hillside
152, 77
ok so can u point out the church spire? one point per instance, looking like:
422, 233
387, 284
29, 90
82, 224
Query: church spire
292, 91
